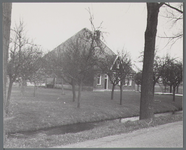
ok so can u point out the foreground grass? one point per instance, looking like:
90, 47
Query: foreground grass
111, 128
50, 108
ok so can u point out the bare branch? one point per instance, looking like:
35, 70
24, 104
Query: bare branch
172, 37
179, 10
91, 19
160, 4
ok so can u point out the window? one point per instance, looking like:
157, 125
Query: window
130, 82
99, 79
126, 82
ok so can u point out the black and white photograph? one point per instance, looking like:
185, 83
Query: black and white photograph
92, 75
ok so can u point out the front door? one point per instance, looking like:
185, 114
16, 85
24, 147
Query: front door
105, 85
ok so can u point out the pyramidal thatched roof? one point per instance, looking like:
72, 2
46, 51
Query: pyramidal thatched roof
85, 33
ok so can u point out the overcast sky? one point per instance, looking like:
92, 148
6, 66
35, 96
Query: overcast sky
124, 24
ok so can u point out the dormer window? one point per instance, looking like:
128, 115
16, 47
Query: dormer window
117, 64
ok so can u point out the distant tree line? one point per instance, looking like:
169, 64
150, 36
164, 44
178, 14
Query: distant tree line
167, 71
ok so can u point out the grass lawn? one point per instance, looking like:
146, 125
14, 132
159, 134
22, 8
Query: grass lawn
50, 108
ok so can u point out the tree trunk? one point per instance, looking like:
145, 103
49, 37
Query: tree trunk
8, 97
6, 23
146, 100
22, 88
121, 93
62, 88
153, 89
35, 87
7, 8
112, 93
170, 88
165, 88
79, 94
138, 87
177, 89
174, 90
73, 92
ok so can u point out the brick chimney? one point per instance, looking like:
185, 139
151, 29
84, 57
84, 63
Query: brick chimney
97, 34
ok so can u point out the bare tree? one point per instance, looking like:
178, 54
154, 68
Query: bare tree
53, 64
22, 56
36, 74
171, 73
107, 66
137, 79
124, 70
156, 71
114, 78
146, 101
58, 70
31, 64
80, 56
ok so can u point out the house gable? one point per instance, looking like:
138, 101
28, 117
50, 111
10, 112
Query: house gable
85, 35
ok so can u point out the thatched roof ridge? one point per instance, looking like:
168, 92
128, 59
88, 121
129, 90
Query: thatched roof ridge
84, 31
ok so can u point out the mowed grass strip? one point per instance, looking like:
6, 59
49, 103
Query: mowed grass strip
49, 108
110, 128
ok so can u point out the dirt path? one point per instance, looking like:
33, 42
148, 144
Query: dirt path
168, 135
